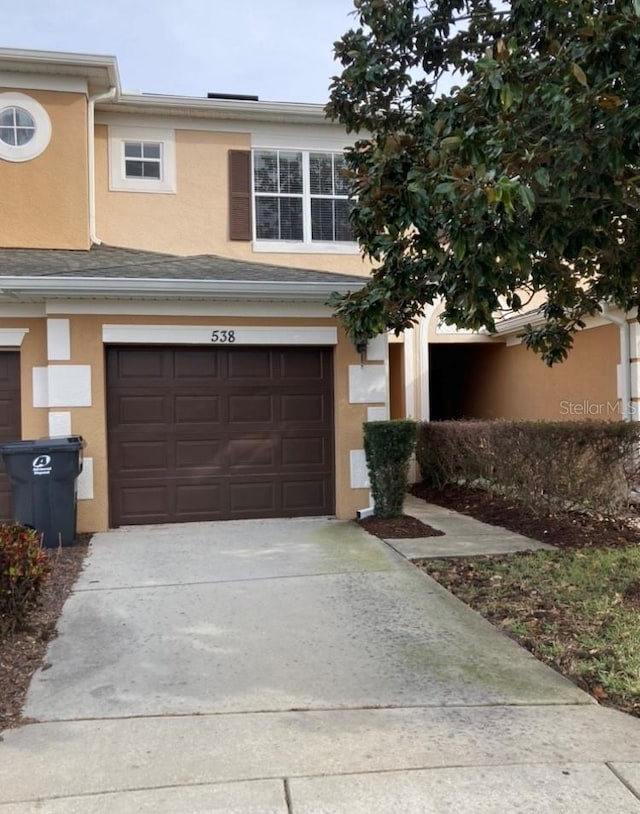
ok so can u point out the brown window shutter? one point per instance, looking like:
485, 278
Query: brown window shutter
240, 195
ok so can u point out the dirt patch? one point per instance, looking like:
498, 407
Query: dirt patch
395, 528
21, 653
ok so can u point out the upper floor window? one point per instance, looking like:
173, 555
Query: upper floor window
300, 197
25, 127
17, 126
141, 159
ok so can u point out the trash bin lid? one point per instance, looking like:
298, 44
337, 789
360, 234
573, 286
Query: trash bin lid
62, 442
56, 444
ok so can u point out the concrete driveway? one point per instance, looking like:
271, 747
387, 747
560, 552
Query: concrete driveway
297, 666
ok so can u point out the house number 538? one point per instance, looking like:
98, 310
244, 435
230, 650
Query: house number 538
223, 337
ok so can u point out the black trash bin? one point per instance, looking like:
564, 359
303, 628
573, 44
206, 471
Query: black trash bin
43, 477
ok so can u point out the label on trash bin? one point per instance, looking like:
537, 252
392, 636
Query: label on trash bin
42, 465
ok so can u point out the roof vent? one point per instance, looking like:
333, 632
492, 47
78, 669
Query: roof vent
238, 97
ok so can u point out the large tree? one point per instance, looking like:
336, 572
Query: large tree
520, 179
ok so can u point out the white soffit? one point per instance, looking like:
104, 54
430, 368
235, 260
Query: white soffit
217, 335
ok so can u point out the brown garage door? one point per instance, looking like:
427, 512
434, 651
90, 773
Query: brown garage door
9, 419
217, 434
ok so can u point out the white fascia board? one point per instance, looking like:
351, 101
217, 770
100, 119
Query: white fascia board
302, 112
516, 324
23, 81
510, 325
167, 288
101, 71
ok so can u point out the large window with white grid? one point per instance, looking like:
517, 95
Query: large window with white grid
301, 197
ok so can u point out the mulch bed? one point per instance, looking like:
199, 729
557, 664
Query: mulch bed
395, 528
21, 653
571, 530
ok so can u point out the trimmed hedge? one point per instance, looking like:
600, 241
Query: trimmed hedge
587, 465
388, 446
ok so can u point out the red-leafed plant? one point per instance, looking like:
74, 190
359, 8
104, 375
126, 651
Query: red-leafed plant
24, 567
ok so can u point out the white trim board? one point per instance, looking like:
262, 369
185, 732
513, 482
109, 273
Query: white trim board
321, 135
227, 335
58, 340
188, 309
12, 337
22, 81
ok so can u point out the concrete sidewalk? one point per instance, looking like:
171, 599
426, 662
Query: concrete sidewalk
298, 666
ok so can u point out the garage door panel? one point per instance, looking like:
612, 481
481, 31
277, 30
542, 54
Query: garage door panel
303, 407
192, 364
251, 364
9, 417
305, 452
303, 364
140, 410
139, 365
199, 501
250, 408
143, 502
198, 453
253, 498
303, 495
197, 409
245, 453
219, 433
143, 456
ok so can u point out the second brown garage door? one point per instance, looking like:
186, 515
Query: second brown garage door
9, 419
217, 434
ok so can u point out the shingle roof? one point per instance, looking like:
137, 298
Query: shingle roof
110, 262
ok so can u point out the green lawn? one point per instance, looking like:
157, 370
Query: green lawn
577, 610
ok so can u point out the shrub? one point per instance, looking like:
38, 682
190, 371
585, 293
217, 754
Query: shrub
388, 446
24, 566
563, 465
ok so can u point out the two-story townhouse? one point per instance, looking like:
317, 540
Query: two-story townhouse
165, 264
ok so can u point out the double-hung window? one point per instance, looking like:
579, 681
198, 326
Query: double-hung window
301, 197
142, 159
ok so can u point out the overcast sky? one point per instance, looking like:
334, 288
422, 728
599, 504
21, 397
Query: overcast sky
281, 50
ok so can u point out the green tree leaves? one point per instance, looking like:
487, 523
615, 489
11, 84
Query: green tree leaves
523, 179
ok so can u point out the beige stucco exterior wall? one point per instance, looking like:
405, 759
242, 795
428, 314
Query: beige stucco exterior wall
512, 382
91, 422
194, 219
46, 199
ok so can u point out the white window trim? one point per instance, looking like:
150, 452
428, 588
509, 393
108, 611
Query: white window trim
41, 136
306, 245
118, 182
